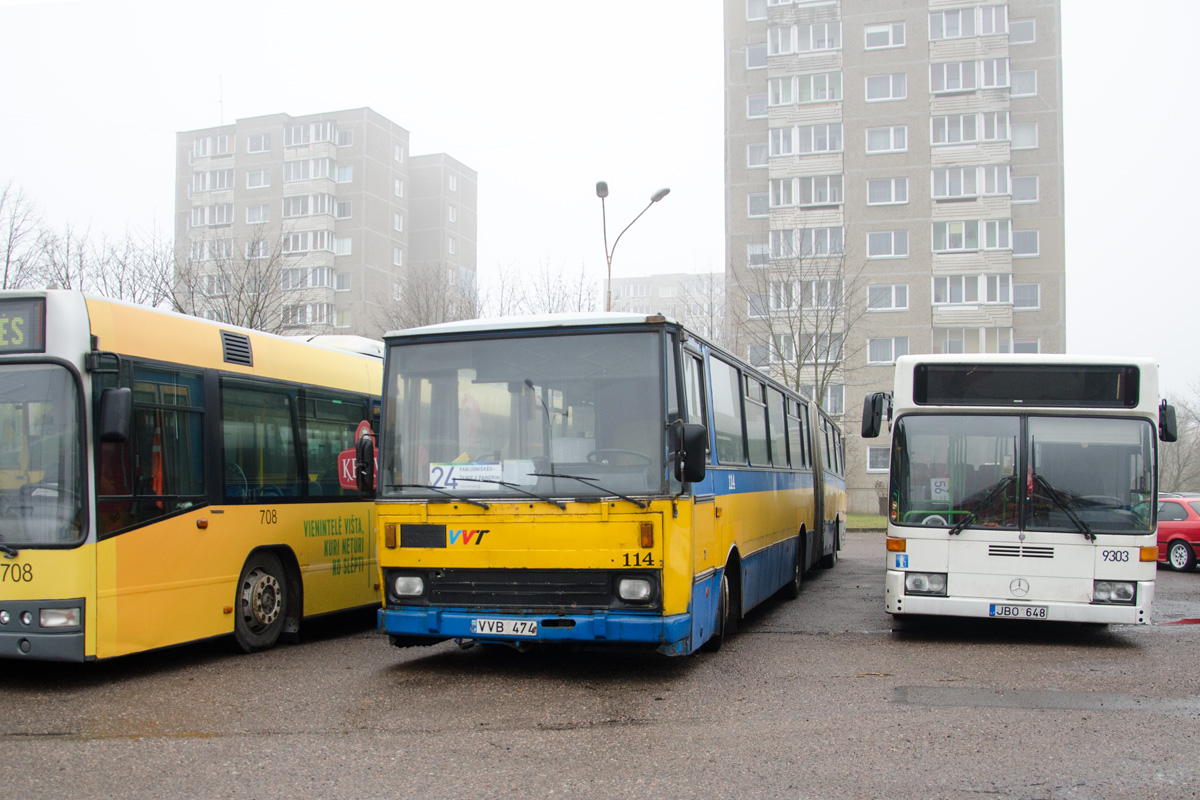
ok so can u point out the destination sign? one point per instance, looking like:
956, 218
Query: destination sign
23, 325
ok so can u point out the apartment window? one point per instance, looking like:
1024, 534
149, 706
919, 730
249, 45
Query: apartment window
342, 282
756, 56
820, 190
204, 146
818, 36
1025, 243
296, 206
342, 209
993, 20
451, 245
955, 24
398, 187
345, 173
823, 348
1027, 346
1024, 135
886, 351
952, 76
343, 245
892, 297
1025, 189
999, 288
258, 178
341, 318
783, 348
819, 87
1027, 296
296, 135
452, 213
955, 129
995, 126
887, 191
1022, 31
887, 87
893, 139
834, 401
820, 138
756, 9
307, 241
955, 182
952, 237
783, 244
259, 248
758, 254
955, 290
257, 214
995, 179
888, 34
397, 257
781, 141
218, 214
783, 295
452, 183
779, 92
1024, 83
756, 106
307, 314
887, 244
820, 241
953, 340
878, 459
398, 152
994, 73
756, 306
780, 40
757, 155
397, 221
757, 203
782, 192
258, 143
345, 138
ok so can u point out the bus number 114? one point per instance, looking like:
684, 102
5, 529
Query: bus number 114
639, 560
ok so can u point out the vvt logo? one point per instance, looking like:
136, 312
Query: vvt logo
466, 536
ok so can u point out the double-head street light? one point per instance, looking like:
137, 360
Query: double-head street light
602, 192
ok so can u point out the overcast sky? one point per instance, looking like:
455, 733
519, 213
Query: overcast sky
545, 97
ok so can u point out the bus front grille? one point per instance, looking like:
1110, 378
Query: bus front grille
520, 588
1020, 551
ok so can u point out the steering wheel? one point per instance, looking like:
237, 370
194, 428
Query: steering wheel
270, 490
602, 456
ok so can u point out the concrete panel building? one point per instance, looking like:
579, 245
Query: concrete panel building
894, 184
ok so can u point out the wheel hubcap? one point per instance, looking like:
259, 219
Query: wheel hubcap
261, 595
1179, 556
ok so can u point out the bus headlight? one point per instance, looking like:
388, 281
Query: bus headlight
927, 583
1114, 592
59, 618
408, 586
635, 590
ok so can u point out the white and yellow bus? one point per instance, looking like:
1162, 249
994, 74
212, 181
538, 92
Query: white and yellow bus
165, 479
1022, 486
592, 480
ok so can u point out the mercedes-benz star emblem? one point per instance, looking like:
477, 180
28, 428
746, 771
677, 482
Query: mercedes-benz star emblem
1019, 587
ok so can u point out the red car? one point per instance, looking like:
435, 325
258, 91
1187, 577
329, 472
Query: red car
1179, 531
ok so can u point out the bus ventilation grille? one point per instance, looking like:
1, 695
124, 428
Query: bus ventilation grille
236, 347
1020, 551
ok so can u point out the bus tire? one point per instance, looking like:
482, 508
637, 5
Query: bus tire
791, 589
830, 560
722, 628
261, 604
1181, 557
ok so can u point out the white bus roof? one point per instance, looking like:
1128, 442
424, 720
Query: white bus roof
525, 322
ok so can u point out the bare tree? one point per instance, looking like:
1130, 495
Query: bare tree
139, 268
20, 221
1179, 462
429, 295
66, 259
703, 299
545, 290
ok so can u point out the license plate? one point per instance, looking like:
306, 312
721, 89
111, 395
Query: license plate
504, 627
1017, 612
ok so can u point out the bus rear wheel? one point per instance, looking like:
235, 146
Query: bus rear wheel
1181, 557
791, 589
262, 601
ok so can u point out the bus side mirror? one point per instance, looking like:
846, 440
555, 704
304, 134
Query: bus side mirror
116, 415
364, 463
692, 450
872, 417
1168, 430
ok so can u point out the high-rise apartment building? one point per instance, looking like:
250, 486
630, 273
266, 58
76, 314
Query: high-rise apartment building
332, 208
894, 184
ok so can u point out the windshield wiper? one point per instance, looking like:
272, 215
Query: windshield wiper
9, 551
516, 488
1058, 501
589, 482
442, 492
988, 498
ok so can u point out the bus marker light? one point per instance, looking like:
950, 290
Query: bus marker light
895, 545
26, 618
1150, 553
5, 618
228, 609
202, 524
389, 536
59, 617
647, 534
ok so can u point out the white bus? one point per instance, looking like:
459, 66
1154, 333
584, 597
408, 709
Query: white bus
1018, 485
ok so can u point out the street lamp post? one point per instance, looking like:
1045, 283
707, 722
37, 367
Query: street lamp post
602, 192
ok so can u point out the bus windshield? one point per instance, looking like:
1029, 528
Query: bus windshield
40, 459
549, 415
1084, 475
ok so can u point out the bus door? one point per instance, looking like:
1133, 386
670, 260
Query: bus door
705, 553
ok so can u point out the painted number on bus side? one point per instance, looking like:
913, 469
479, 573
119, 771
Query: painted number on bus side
16, 573
639, 560
267, 516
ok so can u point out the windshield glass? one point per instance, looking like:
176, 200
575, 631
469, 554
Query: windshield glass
40, 464
1034, 473
469, 417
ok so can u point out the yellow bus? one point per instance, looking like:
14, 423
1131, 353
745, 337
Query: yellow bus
165, 479
592, 480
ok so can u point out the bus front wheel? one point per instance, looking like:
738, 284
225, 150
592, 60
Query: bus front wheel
725, 625
261, 603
